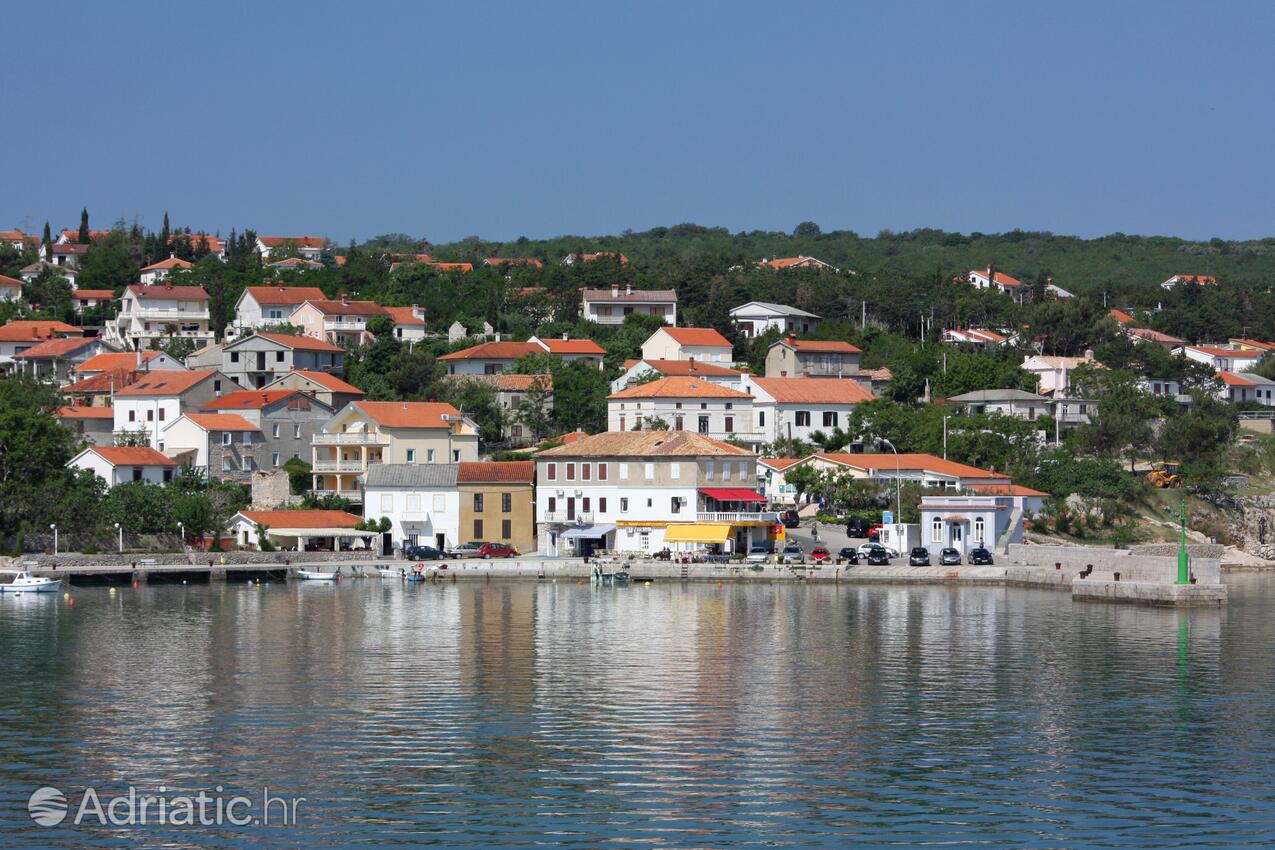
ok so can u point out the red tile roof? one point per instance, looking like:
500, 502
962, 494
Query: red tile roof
303, 519
329, 382
301, 343
453, 267
1252, 343
404, 316
28, 330
80, 411
679, 387
291, 295
514, 261
910, 462
349, 308
409, 414
161, 290
496, 472
588, 258
814, 390
573, 346
779, 462
818, 345
790, 262
1001, 278
1233, 380
5, 280
170, 263
687, 368
495, 351
509, 382
54, 348
248, 399
300, 241
93, 234
215, 245
221, 422
132, 456
94, 294
697, 336
168, 383
107, 381
109, 360
1120, 316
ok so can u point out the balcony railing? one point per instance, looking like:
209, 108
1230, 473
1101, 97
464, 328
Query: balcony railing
338, 466
351, 438
737, 516
561, 516
161, 313
352, 495
344, 326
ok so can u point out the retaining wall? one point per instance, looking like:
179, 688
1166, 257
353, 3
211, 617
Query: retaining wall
1131, 565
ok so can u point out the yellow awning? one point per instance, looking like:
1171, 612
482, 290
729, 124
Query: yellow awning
697, 532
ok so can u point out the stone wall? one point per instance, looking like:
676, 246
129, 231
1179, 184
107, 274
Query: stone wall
1132, 566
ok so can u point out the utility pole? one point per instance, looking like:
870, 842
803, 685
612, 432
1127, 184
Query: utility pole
863, 317
945, 418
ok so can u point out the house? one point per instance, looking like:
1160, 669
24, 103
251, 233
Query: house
294, 264
511, 391
19, 241
802, 262
1223, 358
421, 501
974, 336
1052, 290
288, 419
702, 344
610, 306
794, 358
215, 245
31, 271
498, 503
997, 281
774, 486
409, 323
55, 360
1240, 387
370, 432
491, 358
642, 491
125, 464
155, 399
324, 386
94, 425
497, 262
572, 259
221, 446
157, 272
452, 267
84, 299
259, 306
1183, 279
1015, 403
1140, 335
927, 470
140, 361
68, 255
152, 313
681, 404
1251, 344
309, 247
10, 288
21, 334
256, 360
969, 522
342, 322
797, 408
1053, 374
875, 380
208, 357
757, 317
639, 370
70, 237
300, 531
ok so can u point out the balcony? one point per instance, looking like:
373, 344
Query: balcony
163, 314
337, 466
737, 517
582, 517
351, 438
352, 495
333, 325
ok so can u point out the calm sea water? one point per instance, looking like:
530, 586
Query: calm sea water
661, 716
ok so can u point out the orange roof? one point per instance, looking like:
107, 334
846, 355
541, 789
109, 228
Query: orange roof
1252, 343
646, 443
789, 262
109, 360
495, 351
79, 411
1233, 380
685, 368
409, 414
1120, 316
303, 519
814, 390
292, 295
93, 234
509, 382
1001, 278
573, 346
328, 381
454, 267
214, 242
910, 462
572, 437
1007, 490
52, 348
1204, 279
496, 472
248, 399
170, 263
405, 316
109, 380
18, 235
697, 336
95, 294
161, 290
301, 241
514, 261
679, 387
588, 258
349, 308
167, 383
221, 422
816, 345
1152, 336
304, 343
779, 462
1218, 351
5, 280
132, 456
27, 330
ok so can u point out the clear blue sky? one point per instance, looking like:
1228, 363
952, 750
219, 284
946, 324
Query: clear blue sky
540, 119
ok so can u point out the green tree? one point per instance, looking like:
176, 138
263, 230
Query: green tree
83, 237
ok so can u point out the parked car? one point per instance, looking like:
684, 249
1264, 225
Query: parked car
867, 548
980, 556
820, 554
792, 554
423, 553
919, 557
949, 557
497, 550
879, 556
790, 519
758, 555
465, 550
858, 527
849, 554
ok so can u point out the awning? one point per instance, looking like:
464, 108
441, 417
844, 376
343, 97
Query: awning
588, 531
697, 532
733, 494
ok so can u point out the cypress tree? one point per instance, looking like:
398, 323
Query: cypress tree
164, 233
83, 238
47, 242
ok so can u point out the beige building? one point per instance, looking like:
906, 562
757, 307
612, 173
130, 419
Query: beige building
370, 432
498, 503
807, 358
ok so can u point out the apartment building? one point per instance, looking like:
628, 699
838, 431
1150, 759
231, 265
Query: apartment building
341, 322
704, 345
791, 357
256, 360
498, 503
288, 419
261, 306
611, 306
683, 404
152, 313
796, 408
155, 399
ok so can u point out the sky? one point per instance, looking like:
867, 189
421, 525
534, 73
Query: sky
540, 119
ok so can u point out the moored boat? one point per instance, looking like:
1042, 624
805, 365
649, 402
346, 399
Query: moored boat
319, 575
21, 581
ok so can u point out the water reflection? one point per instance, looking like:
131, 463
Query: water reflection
502, 714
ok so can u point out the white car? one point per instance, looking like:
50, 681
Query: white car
868, 547
758, 555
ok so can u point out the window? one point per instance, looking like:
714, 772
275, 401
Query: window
411, 455
296, 432
829, 419
677, 424
278, 357
234, 357
978, 530
478, 503
761, 419
506, 528
440, 504
516, 430
413, 503
132, 416
675, 505
455, 455
274, 431
274, 458
936, 531
506, 502
675, 470
387, 503
137, 473
624, 504
585, 504
803, 418
247, 438
602, 472
586, 472
730, 424
551, 472
217, 387
429, 455
478, 530
150, 416
602, 504
161, 414
226, 464
168, 475
708, 471
649, 471
703, 424
553, 504
571, 472
743, 470
225, 438
725, 470
624, 471
645, 541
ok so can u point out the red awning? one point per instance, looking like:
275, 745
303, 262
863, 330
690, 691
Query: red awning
735, 494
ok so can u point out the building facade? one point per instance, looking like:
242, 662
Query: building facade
498, 503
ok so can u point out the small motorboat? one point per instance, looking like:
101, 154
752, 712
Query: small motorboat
319, 575
415, 575
21, 581
389, 572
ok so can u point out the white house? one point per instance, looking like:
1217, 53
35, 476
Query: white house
409, 323
158, 398
757, 317
33, 270
151, 313
421, 500
20, 335
683, 404
300, 530
271, 305
638, 370
989, 278
969, 522
492, 358
1053, 373
611, 306
1239, 387
223, 446
1016, 403
1223, 358
775, 486
309, 247
795, 408
702, 344
124, 464
1183, 279
974, 336
10, 288
157, 272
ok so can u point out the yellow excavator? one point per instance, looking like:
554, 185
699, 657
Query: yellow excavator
1167, 474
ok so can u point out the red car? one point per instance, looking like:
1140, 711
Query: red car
497, 550
820, 554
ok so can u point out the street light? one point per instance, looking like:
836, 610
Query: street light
54, 526
182, 526
121, 534
945, 418
898, 481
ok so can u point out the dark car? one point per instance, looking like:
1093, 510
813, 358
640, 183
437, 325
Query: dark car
878, 556
820, 554
423, 553
919, 557
949, 557
790, 519
858, 527
849, 554
980, 556
497, 550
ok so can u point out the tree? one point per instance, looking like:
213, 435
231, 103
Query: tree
535, 412
803, 479
807, 230
1199, 439
1122, 424
46, 242
83, 237
164, 233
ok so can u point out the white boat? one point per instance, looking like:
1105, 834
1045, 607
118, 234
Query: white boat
21, 581
387, 572
319, 575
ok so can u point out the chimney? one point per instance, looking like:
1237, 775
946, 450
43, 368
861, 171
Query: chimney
416, 311
615, 290
1049, 280
497, 336
345, 298
628, 289
139, 360
991, 274
743, 370
565, 336
792, 340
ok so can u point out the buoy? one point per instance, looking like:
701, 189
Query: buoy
646, 584
183, 581
71, 602
112, 591
134, 584
66, 596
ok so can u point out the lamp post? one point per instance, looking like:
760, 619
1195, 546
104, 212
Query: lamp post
182, 531
1184, 560
945, 418
120, 531
54, 526
898, 481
